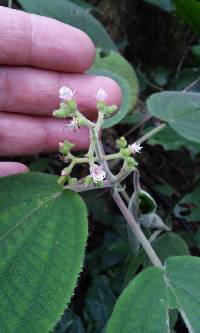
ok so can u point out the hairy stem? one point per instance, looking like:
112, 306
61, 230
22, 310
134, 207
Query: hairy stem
137, 231
151, 133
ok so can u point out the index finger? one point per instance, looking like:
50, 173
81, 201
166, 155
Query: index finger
32, 40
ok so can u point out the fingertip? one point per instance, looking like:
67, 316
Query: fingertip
12, 168
88, 51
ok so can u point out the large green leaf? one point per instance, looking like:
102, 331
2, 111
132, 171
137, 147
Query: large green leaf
180, 109
182, 277
74, 15
43, 236
126, 97
189, 10
143, 306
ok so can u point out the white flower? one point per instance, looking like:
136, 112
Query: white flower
73, 124
97, 173
101, 95
135, 148
66, 93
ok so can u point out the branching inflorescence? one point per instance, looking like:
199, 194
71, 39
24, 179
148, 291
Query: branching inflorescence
95, 156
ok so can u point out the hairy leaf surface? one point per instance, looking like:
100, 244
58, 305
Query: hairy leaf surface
144, 305
43, 235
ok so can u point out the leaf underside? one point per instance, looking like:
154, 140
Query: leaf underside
181, 110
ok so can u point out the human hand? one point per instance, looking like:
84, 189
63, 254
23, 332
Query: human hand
38, 55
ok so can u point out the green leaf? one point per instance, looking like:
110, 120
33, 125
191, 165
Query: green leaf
188, 208
83, 4
163, 4
182, 276
144, 304
167, 245
169, 140
126, 97
133, 119
190, 12
142, 307
180, 109
74, 15
42, 243
170, 244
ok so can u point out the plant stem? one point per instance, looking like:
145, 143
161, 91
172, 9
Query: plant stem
83, 188
191, 84
87, 122
151, 133
137, 231
101, 153
9, 3
90, 153
129, 218
105, 158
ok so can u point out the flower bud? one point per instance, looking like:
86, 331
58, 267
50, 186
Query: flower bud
65, 147
121, 142
125, 152
131, 163
101, 106
88, 181
63, 112
110, 109
72, 105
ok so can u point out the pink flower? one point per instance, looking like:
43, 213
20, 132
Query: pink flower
135, 148
101, 95
97, 173
66, 93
